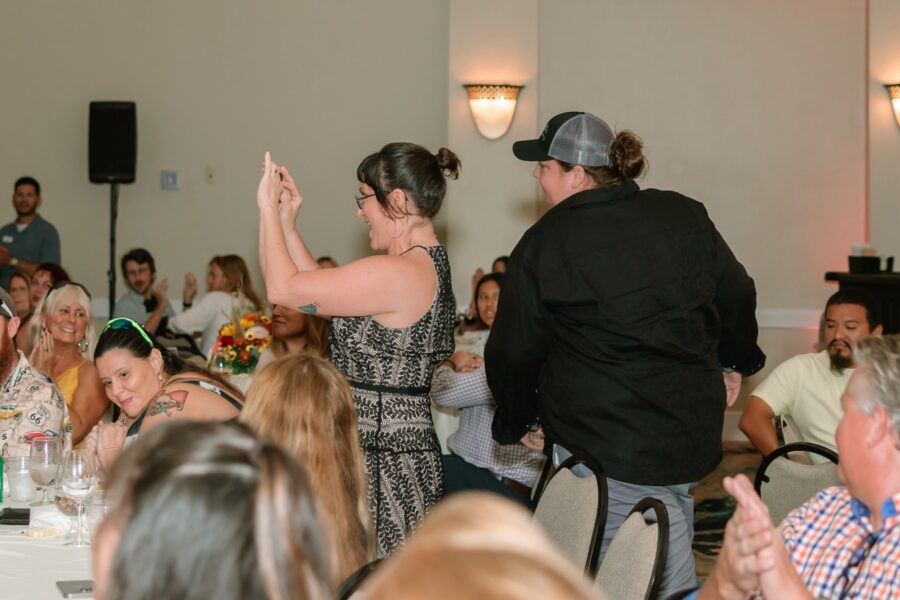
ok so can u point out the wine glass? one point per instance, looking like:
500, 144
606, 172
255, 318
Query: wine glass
220, 364
43, 464
78, 482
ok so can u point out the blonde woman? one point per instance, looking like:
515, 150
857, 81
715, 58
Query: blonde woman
63, 350
229, 290
478, 545
303, 403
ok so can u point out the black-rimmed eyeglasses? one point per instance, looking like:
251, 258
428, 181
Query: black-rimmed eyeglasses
362, 198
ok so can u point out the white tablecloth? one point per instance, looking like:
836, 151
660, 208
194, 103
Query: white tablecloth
30, 568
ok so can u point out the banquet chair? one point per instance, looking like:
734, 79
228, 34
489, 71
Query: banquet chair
356, 579
786, 430
547, 471
572, 511
635, 561
784, 484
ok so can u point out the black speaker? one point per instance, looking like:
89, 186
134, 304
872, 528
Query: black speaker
112, 142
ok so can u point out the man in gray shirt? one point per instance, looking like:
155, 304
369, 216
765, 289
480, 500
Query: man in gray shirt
144, 303
29, 240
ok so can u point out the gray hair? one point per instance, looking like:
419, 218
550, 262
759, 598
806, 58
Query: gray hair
880, 356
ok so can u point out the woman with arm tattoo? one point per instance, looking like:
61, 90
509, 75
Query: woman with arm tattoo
151, 385
392, 317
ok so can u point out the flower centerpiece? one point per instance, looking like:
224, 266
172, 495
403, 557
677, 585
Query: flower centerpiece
240, 343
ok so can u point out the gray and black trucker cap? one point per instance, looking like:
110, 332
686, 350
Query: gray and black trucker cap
578, 138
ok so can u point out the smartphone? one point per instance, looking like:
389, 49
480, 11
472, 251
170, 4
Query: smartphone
15, 516
80, 588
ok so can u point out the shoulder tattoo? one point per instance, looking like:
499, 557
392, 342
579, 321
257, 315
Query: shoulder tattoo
165, 402
310, 308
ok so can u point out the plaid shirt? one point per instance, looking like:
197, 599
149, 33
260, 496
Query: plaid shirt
473, 441
836, 551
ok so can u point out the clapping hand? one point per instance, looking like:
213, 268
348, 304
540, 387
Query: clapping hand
107, 439
160, 291
268, 194
41, 357
190, 288
290, 201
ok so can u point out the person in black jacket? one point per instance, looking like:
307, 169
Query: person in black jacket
624, 329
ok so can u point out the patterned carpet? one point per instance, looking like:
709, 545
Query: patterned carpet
713, 505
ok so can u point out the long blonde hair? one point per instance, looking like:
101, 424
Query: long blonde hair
51, 301
477, 545
303, 403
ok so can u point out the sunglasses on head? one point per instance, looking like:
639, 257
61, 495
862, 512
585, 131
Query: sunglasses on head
126, 323
64, 282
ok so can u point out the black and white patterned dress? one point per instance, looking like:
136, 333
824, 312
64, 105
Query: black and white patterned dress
389, 371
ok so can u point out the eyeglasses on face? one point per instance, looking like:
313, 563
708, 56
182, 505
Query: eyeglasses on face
126, 323
362, 198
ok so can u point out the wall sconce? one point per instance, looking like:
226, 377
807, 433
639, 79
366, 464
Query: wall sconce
894, 90
493, 107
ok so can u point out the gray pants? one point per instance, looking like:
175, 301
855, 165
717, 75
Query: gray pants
680, 571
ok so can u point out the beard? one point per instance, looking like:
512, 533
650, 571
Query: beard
8, 355
839, 361
26, 213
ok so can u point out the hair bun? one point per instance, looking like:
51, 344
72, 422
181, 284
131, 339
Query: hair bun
448, 163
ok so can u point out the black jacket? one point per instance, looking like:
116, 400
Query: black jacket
619, 309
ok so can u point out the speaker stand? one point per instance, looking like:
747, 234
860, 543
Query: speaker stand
111, 274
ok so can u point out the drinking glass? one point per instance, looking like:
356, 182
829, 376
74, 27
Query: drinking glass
44, 464
78, 482
21, 487
220, 364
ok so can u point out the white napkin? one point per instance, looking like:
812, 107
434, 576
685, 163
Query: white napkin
48, 521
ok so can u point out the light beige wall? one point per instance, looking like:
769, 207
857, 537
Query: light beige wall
884, 135
755, 108
493, 202
320, 84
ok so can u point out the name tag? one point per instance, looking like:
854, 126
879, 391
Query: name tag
7, 239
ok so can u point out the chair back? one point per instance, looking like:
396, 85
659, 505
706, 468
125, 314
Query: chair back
786, 430
355, 580
547, 471
635, 561
785, 484
572, 511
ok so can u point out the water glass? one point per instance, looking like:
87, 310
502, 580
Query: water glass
44, 464
78, 482
22, 488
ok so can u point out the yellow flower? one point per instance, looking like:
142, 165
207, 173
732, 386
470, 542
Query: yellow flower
230, 354
246, 323
227, 329
265, 319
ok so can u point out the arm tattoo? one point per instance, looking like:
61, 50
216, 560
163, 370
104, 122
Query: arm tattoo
164, 402
310, 308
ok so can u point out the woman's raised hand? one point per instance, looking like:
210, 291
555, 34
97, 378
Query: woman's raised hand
41, 357
291, 200
268, 193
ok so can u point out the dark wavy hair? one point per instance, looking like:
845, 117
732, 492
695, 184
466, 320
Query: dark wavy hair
141, 256
208, 510
130, 340
413, 169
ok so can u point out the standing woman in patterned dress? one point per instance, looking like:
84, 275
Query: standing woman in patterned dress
393, 317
